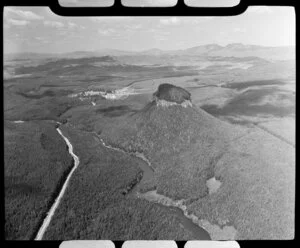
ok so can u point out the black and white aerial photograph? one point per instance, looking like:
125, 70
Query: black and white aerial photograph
149, 127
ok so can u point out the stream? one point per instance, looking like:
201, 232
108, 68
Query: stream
188, 221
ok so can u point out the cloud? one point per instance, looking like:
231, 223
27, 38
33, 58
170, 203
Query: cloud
110, 18
72, 25
160, 38
197, 20
134, 26
106, 32
157, 31
229, 34
259, 9
11, 12
185, 20
17, 22
54, 24
207, 18
40, 39
239, 30
170, 21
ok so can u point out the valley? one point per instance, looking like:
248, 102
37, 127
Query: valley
181, 145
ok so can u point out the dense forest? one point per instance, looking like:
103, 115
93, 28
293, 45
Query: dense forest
95, 206
36, 164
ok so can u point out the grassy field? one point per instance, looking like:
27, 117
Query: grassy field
284, 127
94, 206
36, 162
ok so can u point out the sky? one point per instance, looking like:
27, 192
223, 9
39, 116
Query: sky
38, 29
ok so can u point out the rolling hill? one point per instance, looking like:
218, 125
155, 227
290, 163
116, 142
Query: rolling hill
187, 147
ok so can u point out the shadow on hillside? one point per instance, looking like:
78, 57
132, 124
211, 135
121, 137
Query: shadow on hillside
115, 111
47, 93
250, 103
14, 188
259, 83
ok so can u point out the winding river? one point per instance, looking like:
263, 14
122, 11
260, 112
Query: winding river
188, 222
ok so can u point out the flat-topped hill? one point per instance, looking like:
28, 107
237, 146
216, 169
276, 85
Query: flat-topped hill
187, 148
172, 93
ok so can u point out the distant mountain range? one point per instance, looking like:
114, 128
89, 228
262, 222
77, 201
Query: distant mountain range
212, 50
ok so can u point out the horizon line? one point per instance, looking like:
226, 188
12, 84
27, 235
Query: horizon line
144, 50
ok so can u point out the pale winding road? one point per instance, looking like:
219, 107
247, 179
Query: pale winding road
188, 224
51, 212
